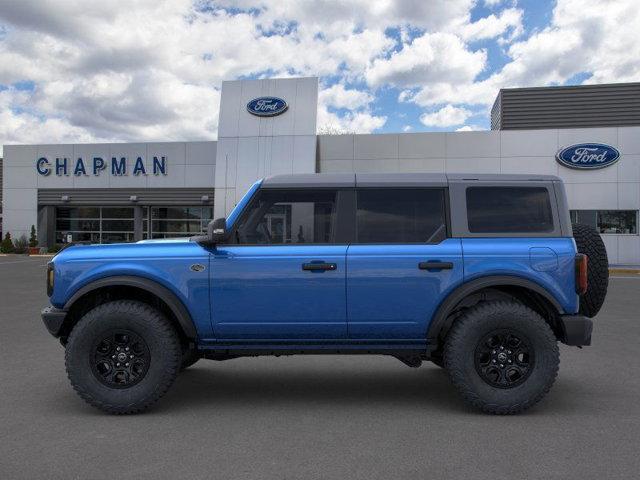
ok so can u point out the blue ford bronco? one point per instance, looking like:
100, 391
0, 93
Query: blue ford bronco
482, 275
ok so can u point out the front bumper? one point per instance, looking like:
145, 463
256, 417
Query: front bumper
53, 319
576, 330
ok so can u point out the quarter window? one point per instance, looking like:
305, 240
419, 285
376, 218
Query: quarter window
509, 210
401, 216
279, 217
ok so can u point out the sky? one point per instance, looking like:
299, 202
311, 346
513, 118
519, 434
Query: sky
76, 71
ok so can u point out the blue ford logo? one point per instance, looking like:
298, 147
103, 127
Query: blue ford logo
588, 156
267, 106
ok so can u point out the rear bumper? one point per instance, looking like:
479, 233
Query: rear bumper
576, 330
53, 319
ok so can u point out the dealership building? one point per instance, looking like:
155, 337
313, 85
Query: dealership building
587, 135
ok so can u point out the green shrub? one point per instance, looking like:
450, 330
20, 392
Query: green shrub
7, 244
33, 238
21, 244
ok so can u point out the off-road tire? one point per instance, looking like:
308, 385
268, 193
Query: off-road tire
163, 347
189, 357
590, 243
469, 331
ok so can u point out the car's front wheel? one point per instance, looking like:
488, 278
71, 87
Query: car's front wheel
502, 357
122, 356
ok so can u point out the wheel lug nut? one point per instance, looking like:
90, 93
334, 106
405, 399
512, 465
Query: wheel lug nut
501, 348
126, 364
501, 366
117, 364
113, 356
494, 361
118, 349
127, 349
130, 356
509, 352
509, 361
493, 351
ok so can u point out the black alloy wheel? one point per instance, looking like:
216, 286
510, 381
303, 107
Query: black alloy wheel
120, 359
504, 358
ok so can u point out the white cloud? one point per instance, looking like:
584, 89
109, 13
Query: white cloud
447, 116
338, 96
469, 128
432, 57
407, 128
509, 20
151, 69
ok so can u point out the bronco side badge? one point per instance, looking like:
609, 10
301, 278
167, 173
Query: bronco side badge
197, 267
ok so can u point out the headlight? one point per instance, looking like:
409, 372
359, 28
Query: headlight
50, 278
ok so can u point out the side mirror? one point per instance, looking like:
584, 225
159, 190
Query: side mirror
217, 230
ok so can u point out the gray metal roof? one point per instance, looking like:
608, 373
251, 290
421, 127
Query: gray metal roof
598, 105
345, 180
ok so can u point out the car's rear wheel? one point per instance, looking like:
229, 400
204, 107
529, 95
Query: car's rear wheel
502, 357
122, 356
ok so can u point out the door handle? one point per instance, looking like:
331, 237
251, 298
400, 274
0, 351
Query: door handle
320, 266
435, 265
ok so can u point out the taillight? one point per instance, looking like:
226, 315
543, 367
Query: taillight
581, 273
50, 278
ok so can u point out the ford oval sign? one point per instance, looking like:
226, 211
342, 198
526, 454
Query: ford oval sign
588, 156
267, 106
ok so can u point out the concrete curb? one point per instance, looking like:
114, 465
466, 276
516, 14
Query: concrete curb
626, 271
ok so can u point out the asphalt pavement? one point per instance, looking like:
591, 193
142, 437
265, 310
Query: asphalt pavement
315, 417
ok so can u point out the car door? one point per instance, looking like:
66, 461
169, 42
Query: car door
283, 274
401, 264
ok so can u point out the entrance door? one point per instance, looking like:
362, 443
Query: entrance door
402, 263
282, 276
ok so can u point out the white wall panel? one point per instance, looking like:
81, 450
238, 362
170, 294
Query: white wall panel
535, 165
336, 166
611, 244
368, 147
628, 196
571, 136
529, 143
421, 145
629, 140
421, 165
473, 144
592, 196
473, 165
336, 147
628, 249
628, 168
20, 155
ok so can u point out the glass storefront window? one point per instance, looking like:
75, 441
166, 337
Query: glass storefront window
94, 224
116, 224
608, 221
168, 222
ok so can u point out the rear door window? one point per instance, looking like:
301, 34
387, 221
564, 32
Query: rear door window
509, 210
388, 215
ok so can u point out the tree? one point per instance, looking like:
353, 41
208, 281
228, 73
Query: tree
33, 239
7, 244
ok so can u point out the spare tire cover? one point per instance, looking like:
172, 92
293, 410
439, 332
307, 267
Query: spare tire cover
589, 242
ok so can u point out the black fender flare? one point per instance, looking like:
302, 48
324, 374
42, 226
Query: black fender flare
439, 320
167, 296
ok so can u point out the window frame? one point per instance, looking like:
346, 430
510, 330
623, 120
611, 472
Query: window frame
445, 206
459, 215
341, 233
